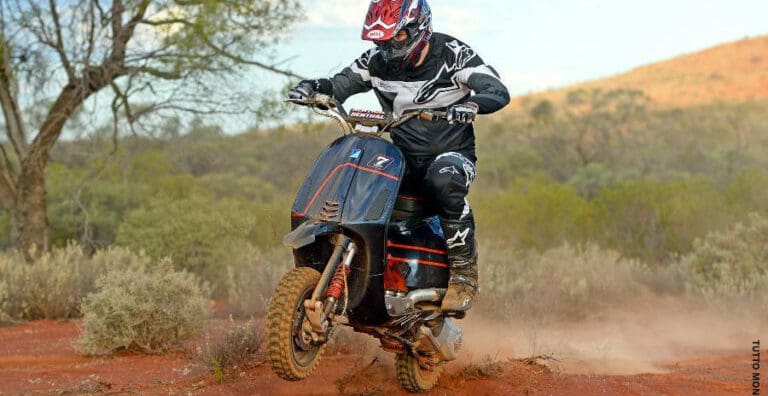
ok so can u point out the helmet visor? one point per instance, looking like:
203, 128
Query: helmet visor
394, 43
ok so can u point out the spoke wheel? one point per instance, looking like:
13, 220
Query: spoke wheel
291, 352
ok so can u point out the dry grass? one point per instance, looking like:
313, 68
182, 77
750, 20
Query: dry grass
239, 345
53, 286
568, 282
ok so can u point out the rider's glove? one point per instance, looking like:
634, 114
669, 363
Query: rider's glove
463, 113
305, 89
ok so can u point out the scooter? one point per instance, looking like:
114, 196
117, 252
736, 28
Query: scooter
364, 256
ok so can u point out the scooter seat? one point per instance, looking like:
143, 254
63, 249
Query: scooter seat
407, 207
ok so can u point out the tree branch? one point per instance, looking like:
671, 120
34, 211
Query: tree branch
14, 124
91, 32
117, 20
164, 74
123, 34
239, 59
59, 47
7, 182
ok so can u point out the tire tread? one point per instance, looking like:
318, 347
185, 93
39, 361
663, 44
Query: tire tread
279, 317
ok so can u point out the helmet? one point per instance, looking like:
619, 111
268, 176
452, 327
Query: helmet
386, 18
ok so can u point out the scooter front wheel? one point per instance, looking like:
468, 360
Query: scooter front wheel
292, 353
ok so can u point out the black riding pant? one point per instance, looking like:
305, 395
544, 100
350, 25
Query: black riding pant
442, 180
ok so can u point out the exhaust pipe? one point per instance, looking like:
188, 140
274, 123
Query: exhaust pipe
401, 304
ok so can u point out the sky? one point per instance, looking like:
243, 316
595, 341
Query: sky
537, 44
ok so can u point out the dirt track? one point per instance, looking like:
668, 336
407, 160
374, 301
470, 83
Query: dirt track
38, 358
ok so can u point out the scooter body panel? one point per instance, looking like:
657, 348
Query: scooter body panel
416, 255
354, 183
352, 188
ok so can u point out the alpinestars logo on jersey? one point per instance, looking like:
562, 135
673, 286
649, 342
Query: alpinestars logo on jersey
363, 61
446, 81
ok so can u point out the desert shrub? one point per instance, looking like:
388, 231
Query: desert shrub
564, 282
142, 308
239, 345
730, 264
52, 286
252, 277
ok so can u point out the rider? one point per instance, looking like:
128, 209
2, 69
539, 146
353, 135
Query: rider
409, 69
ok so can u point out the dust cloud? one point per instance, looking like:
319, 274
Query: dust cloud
647, 337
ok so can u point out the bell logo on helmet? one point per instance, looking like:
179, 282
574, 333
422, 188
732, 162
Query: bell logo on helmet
375, 34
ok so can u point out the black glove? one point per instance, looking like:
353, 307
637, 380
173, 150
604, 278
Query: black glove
463, 113
305, 89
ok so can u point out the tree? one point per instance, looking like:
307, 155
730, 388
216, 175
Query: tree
602, 119
152, 58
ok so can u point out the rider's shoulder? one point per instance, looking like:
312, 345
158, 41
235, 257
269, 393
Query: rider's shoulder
450, 48
371, 55
446, 44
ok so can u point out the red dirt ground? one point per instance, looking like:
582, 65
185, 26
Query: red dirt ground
38, 358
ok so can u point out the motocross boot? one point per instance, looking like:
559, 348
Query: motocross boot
462, 259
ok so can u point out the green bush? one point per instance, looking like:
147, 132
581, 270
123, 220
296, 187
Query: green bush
654, 220
730, 264
52, 286
201, 233
536, 212
143, 309
252, 277
747, 192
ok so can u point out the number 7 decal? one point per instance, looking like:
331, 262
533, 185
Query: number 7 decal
380, 162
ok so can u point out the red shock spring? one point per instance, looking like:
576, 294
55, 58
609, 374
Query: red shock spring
337, 282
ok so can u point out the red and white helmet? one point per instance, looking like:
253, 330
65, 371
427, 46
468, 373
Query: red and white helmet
386, 18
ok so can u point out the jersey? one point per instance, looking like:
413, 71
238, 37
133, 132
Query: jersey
449, 75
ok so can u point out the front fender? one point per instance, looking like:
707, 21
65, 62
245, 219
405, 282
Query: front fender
306, 233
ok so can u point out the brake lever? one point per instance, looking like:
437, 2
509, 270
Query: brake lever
432, 116
317, 100
301, 102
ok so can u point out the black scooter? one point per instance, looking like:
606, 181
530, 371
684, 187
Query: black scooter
365, 257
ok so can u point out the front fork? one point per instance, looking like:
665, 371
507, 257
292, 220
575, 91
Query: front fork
327, 293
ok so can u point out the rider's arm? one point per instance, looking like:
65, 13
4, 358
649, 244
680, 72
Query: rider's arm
490, 93
353, 79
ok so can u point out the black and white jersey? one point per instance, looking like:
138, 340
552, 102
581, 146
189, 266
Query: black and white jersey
450, 74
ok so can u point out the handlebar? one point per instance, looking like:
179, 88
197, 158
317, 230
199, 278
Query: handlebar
383, 121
